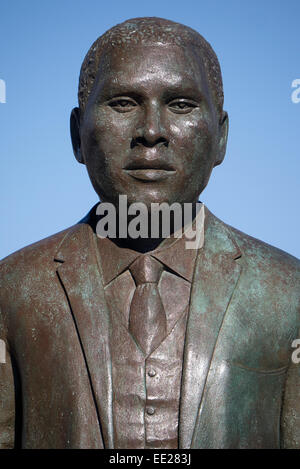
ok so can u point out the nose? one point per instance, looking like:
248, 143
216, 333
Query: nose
151, 130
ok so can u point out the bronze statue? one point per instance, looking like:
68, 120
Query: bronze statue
124, 342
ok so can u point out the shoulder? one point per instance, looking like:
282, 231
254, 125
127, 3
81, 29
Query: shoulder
267, 293
33, 255
29, 282
265, 257
256, 252
26, 270
268, 273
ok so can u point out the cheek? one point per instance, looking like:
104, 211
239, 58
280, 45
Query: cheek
106, 133
194, 139
191, 130
105, 142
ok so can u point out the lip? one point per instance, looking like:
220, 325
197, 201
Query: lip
150, 174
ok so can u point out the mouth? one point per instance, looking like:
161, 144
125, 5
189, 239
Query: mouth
148, 171
150, 174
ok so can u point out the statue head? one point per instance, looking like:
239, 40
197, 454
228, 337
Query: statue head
150, 122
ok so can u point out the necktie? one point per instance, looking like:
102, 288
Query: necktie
147, 318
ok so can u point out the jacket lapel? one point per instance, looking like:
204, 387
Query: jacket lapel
215, 277
80, 276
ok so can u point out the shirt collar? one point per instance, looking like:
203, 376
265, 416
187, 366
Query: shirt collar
171, 252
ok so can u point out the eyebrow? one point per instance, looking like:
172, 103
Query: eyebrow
184, 88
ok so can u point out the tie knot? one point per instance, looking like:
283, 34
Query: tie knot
146, 269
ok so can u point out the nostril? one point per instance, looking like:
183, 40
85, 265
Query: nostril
142, 141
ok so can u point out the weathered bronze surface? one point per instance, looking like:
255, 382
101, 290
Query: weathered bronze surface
142, 343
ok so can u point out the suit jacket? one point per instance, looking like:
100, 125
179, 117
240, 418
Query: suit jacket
240, 388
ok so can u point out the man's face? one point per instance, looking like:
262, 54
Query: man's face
150, 129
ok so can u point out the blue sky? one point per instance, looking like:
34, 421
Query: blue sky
42, 45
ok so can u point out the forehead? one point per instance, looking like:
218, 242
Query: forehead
140, 66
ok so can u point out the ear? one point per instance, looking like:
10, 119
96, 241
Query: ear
75, 134
223, 135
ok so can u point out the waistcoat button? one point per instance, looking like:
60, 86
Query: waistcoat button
151, 372
150, 410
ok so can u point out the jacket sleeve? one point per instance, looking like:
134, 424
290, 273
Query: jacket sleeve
7, 394
290, 419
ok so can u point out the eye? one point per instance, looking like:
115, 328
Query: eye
122, 104
182, 106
